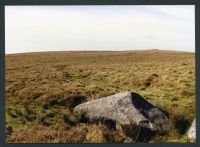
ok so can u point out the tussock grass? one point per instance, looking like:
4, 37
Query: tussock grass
82, 133
43, 88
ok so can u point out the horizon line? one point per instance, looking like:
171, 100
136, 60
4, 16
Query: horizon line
133, 50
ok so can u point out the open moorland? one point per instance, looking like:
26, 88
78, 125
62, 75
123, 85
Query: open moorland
43, 88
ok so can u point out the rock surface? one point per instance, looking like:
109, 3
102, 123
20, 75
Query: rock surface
192, 130
126, 109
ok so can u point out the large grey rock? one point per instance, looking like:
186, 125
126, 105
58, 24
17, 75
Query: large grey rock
192, 130
126, 109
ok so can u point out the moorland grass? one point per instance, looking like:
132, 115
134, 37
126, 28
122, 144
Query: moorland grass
43, 88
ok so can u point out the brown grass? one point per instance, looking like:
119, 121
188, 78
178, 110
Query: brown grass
43, 88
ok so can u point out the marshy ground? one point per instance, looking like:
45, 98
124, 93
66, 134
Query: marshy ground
43, 88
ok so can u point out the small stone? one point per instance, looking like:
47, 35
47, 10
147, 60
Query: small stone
192, 131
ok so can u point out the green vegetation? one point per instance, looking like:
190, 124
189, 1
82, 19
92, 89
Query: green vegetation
43, 88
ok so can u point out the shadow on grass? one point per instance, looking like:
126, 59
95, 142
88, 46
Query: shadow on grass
181, 124
60, 100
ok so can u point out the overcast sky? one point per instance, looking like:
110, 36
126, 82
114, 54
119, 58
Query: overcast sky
55, 28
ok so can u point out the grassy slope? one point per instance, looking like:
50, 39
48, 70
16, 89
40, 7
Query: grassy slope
43, 88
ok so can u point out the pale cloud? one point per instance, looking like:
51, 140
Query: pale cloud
47, 28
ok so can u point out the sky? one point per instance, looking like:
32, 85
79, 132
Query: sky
116, 28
